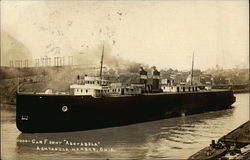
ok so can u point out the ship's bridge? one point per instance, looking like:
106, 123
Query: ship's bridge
93, 86
94, 81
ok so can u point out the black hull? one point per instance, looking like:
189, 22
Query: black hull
43, 113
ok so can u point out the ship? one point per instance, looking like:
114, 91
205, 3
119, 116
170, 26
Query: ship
94, 102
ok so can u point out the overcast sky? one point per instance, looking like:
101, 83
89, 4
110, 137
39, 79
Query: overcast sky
160, 33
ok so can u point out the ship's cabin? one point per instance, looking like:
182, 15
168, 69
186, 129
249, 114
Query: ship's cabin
91, 86
88, 80
170, 86
97, 87
179, 88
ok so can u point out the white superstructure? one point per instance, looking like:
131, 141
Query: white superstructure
97, 87
92, 86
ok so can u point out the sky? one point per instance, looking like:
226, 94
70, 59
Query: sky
161, 33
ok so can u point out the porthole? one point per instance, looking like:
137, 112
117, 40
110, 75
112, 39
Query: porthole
65, 109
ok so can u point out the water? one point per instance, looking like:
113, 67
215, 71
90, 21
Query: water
175, 138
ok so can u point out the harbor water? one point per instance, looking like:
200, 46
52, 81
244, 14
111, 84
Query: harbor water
175, 138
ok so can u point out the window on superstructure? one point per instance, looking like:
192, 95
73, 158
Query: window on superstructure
118, 90
86, 91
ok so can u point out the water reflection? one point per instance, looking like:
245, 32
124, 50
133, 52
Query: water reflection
145, 140
165, 139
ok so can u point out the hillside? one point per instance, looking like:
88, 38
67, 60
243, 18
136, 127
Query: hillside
55, 78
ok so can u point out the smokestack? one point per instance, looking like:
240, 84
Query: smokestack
143, 76
54, 61
11, 64
156, 80
49, 60
26, 63
37, 62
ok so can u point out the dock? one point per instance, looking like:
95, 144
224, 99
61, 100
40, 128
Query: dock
235, 145
240, 135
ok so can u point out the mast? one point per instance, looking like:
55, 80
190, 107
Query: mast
102, 61
18, 84
192, 69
